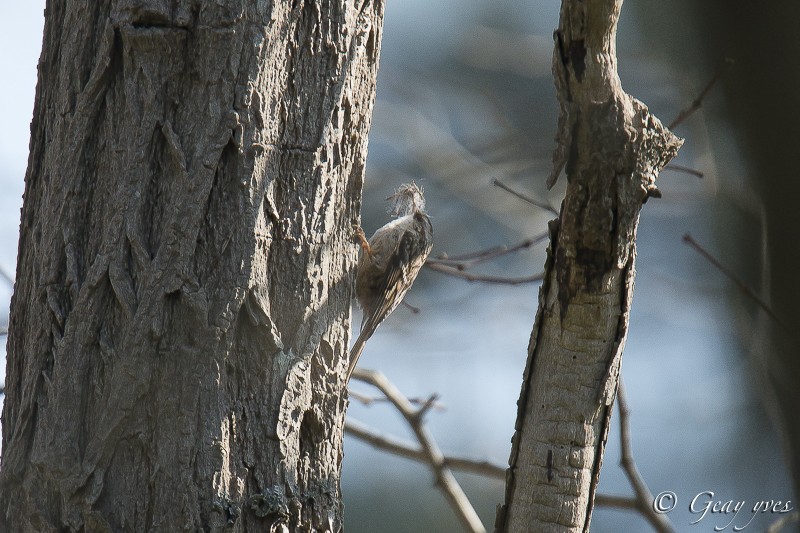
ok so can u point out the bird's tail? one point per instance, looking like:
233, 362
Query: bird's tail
355, 352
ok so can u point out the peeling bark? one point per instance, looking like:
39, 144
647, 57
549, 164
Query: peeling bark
180, 321
612, 149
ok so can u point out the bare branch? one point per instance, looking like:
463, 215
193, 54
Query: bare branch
409, 450
435, 459
618, 502
369, 400
457, 265
697, 102
444, 258
426, 407
525, 197
685, 170
744, 287
410, 307
465, 261
644, 498
451, 271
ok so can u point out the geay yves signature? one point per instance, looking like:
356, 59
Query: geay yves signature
728, 513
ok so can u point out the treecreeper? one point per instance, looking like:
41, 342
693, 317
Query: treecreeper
390, 262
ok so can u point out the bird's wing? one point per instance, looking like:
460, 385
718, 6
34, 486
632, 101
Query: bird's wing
399, 276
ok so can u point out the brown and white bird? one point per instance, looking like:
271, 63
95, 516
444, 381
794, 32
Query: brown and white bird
390, 262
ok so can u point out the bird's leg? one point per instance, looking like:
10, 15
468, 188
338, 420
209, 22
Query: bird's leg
359, 235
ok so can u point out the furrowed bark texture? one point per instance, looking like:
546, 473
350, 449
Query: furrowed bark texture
612, 149
180, 321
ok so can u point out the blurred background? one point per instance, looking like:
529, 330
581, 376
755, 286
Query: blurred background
465, 96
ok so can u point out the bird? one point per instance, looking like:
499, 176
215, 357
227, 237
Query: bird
390, 262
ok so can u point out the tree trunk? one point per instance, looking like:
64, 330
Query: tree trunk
180, 321
613, 150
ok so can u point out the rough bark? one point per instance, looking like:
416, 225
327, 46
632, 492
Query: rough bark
612, 149
180, 321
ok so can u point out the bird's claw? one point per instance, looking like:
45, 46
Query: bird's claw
361, 238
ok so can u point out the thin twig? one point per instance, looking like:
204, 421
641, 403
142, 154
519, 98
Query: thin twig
525, 197
685, 170
410, 307
369, 400
465, 261
697, 102
451, 271
435, 458
426, 407
409, 450
469, 256
618, 502
744, 287
644, 498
